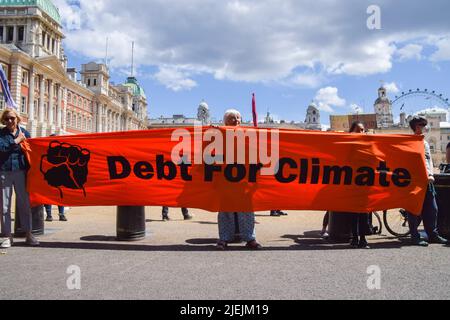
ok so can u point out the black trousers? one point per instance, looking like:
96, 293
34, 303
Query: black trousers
360, 225
165, 211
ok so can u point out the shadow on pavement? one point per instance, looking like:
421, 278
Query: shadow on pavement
312, 240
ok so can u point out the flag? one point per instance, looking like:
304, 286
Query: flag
255, 115
5, 88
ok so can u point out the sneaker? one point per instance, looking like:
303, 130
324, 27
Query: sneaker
325, 235
188, 217
274, 214
49, 219
363, 245
439, 240
62, 218
354, 243
32, 242
165, 218
281, 213
6, 243
420, 243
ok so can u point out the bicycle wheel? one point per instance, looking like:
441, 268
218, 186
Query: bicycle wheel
396, 222
377, 226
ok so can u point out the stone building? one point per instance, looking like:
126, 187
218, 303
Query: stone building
383, 109
50, 97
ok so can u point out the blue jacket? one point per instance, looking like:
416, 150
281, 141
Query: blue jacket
11, 156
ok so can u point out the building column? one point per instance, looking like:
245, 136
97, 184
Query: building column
59, 108
32, 125
51, 104
64, 113
15, 33
16, 83
41, 112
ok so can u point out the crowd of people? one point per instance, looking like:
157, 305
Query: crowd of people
14, 166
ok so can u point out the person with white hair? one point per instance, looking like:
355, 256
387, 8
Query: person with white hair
13, 171
245, 220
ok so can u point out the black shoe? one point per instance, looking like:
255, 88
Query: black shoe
274, 214
49, 219
363, 245
439, 240
281, 213
354, 243
166, 218
62, 218
188, 217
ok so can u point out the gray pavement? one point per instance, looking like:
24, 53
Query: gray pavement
178, 260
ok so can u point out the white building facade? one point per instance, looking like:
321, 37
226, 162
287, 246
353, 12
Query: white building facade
50, 97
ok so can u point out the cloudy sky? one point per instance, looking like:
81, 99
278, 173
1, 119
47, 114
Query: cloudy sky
288, 52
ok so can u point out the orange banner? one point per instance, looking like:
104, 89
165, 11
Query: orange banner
230, 169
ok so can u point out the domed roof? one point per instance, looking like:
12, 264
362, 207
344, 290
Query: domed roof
312, 105
45, 5
134, 85
204, 105
382, 100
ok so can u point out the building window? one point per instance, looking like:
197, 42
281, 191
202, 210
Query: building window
95, 82
2, 102
43, 38
89, 82
21, 35
23, 105
10, 34
1, 33
25, 77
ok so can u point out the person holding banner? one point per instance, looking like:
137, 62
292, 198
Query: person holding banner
13, 170
245, 220
419, 126
360, 221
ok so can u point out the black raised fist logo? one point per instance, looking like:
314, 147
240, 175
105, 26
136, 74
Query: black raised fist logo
65, 165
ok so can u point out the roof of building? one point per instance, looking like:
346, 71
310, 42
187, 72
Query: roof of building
434, 110
134, 85
45, 5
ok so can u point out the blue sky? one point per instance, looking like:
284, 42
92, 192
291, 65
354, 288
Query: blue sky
288, 52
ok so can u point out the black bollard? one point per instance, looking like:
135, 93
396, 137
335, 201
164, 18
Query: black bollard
442, 185
130, 223
340, 226
37, 222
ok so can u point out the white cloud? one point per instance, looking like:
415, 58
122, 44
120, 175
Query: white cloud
327, 98
391, 87
294, 42
175, 79
410, 52
443, 50
306, 80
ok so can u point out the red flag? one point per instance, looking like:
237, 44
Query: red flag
255, 115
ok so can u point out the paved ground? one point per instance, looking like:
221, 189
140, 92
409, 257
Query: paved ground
178, 261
